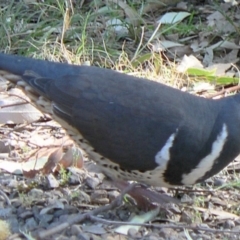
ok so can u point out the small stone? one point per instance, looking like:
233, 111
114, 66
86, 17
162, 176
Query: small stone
74, 179
30, 224
26, 214
100, 176
44, 219
35, 211
186, 217
99, 197
132, 232
92, 182
186, 199
167, 232
229, 224
14, 223
153, 238
64, 218
203, 225
36, 193
76, 229
174, 208
81, 196
112, 195
219, 182
5, 212
85, 236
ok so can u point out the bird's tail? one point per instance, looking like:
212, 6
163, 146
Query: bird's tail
39, 84
19, 65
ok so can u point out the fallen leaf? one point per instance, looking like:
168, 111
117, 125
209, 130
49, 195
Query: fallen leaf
173, 17
53, 160
146, 217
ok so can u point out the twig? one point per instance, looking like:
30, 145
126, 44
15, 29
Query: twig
13, 104
224, 91
160, 226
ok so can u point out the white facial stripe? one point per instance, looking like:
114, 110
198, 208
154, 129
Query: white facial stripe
207, 162
163, 156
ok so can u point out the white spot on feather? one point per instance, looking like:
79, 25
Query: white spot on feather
207, 162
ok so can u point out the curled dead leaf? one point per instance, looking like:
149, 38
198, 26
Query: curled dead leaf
53, 161
72, 158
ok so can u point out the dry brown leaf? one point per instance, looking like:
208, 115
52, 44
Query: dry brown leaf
72, 158
31, 173
53, 160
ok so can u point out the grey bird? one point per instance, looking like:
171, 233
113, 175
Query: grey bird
133, 128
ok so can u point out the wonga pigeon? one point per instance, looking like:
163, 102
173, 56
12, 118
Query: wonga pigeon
134, 128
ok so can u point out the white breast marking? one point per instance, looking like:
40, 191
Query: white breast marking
163, 156
207, 162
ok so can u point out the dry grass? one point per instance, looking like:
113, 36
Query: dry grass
77, 34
